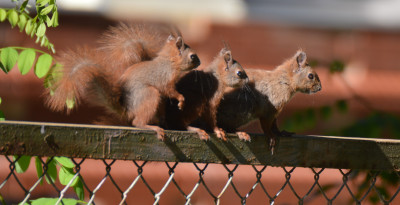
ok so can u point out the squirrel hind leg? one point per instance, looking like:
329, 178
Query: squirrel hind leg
202, 134
160, 132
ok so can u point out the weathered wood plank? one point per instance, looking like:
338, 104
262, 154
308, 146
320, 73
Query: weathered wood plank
127, 143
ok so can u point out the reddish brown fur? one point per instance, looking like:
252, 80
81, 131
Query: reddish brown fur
270, 92
135, 96
203, 90
145, 83
130, 43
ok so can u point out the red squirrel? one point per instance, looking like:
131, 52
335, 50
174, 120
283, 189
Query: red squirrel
134, 96
269, 92
203, 90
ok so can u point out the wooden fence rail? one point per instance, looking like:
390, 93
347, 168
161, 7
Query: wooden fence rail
127, 143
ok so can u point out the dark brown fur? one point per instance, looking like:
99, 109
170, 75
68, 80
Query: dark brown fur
203, 90
269, 92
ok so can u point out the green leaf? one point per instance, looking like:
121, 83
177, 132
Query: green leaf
8, 57
52, 201
55, 17
342, 106
39, 169
65, 175
51, 174
0, 101
2, 118
42, 2
336, 66
46, 10
12, 17
49, 21
25, 60
65, 162
80, 192
29, 27
3, 68
3, 15
70, 103
41, 30
43, 65
22, 164
23, 5
22, 22
326, 112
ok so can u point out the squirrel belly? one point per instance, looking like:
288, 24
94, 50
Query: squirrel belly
267, 94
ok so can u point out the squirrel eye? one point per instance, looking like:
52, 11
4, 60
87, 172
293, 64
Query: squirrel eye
195, 59
310, 76
241, 74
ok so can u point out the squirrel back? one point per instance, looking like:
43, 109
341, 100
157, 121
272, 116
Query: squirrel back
130, 43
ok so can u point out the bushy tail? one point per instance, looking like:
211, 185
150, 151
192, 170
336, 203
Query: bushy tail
82, 77
130, 43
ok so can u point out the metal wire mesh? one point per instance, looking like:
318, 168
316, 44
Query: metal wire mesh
141, 182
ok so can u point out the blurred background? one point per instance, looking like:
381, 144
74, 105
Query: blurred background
353, 45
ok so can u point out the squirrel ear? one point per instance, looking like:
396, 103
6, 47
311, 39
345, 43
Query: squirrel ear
301, 58
227, 57
179, 42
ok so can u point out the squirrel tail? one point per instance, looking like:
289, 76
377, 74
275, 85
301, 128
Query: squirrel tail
81, 78
130, 43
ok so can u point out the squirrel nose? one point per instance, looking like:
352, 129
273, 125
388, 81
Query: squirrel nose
195, 60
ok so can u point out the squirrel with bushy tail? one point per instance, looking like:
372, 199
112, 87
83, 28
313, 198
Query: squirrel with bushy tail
133, 69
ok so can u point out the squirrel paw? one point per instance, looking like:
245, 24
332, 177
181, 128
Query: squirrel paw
203, 135
220, 133
181, 102
244, 136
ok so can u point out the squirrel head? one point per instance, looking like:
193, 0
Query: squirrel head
304, 78
181, 53
229, 70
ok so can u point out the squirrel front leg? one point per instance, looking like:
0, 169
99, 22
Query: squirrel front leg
210, 118
172, 93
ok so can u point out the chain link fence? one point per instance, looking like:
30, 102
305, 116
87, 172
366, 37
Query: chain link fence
123, 181
231, 185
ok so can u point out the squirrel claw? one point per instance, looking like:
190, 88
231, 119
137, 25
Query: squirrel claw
244, 136
161, 135
203, 135
272, 143
181, 104
220, 134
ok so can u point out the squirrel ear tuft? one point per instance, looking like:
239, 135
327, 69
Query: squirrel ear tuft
179, 42
171, 38
301, 58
